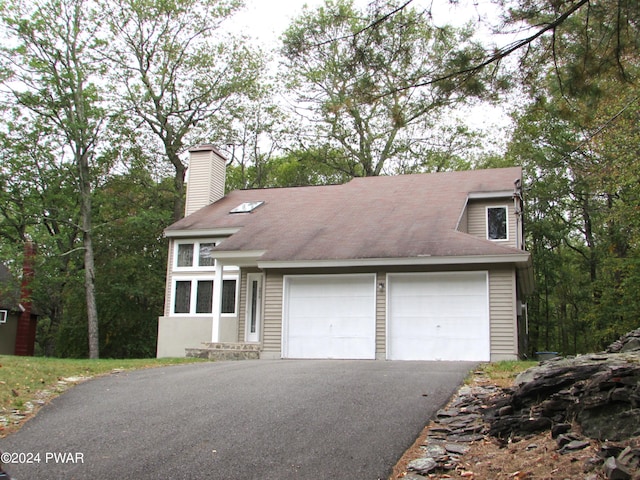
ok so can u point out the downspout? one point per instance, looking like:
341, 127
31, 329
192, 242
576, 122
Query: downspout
517, 204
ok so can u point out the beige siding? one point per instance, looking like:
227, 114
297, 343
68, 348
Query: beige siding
167, 291
477, 219
206, 180
502, 310
272, 318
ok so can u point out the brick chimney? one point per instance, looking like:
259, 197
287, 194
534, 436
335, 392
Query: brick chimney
26, 331
207, 175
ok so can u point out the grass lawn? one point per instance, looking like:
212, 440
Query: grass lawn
28, 382
505, 372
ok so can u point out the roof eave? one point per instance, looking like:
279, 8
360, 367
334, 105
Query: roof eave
517, 259
197, 233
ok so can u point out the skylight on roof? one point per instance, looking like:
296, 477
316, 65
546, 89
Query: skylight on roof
246, 207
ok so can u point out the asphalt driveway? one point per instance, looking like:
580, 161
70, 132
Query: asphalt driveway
266, 420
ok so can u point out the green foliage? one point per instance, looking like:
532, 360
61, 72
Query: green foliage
578, 143
366, 83
175, 75
297, 168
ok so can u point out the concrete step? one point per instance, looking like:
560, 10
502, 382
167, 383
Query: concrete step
225, 351
248, 347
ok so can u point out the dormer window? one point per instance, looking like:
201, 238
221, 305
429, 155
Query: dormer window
497, 223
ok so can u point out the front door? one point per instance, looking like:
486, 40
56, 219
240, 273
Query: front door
254, 307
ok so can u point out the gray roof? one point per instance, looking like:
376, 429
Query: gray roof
382, 217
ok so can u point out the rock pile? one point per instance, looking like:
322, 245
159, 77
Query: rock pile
597, 395
629, 342
583, 401
453, 429
600, 392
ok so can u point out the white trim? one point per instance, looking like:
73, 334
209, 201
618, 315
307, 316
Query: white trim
3, 316
259, 307
517, 258
243, 258
211, 232
486, 220
489, 195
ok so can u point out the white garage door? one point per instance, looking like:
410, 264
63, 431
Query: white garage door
438, 316
329, 316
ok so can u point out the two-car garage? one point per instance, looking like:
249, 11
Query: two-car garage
428, 316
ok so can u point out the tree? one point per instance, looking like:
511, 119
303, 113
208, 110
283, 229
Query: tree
171, 74
583, 39
50, 71
579, 152
355, 77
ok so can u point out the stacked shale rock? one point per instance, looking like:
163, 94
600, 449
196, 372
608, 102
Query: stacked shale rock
598, 395
580, 399
453, 429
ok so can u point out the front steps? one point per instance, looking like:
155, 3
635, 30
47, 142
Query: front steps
225, 351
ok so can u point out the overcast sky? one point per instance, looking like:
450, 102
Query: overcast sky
265, 20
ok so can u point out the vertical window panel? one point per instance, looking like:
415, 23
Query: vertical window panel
182, 303
204, 296
228, 296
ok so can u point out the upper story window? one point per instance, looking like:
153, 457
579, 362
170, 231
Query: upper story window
195, 254
497, 223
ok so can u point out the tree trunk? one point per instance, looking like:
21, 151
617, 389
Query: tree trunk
178, 181
89, 268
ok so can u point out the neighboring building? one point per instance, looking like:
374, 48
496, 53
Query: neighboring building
17, 320
409, 267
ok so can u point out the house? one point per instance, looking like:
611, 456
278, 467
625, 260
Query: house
18, 320
409, 267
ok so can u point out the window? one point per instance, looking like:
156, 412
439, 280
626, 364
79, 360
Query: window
204, 297
196, 297
3, 316
205, 255
228, 296
182, 300
497, 223
195, 254
185, 255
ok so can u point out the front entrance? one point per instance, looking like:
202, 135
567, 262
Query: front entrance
253, 318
